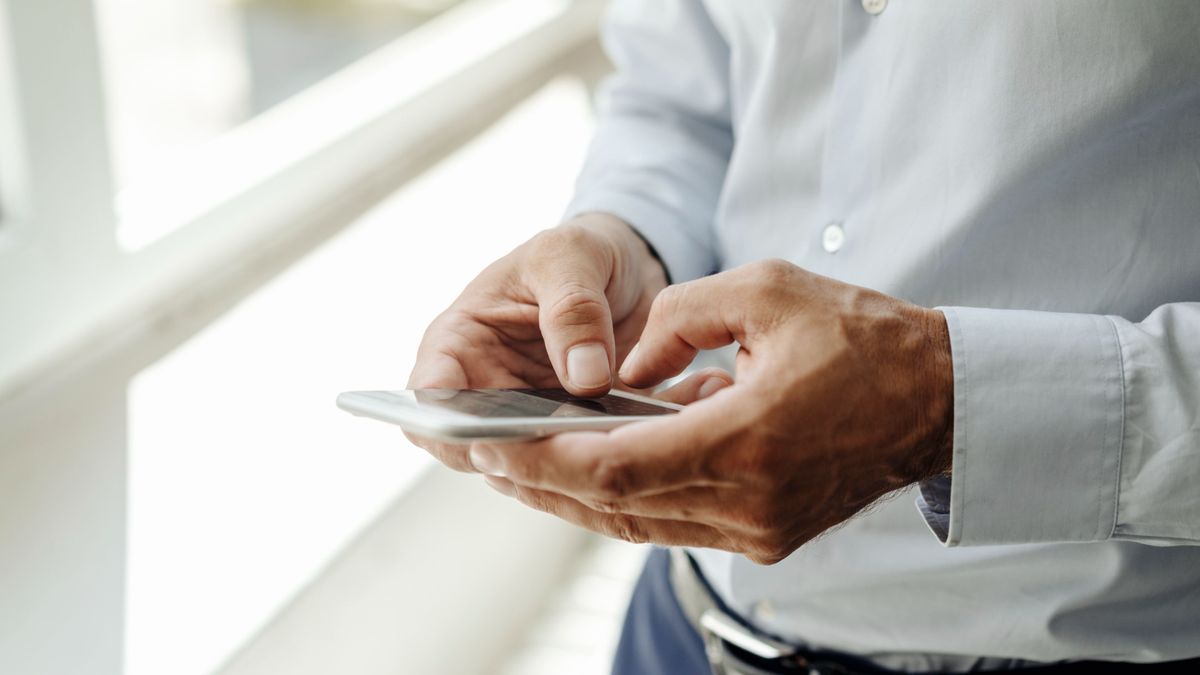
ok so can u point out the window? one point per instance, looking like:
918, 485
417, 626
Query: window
153, 213
179, 74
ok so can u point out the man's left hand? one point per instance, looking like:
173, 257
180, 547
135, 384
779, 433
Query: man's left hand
841, 396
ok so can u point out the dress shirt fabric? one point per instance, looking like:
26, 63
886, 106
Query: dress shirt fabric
1033, 169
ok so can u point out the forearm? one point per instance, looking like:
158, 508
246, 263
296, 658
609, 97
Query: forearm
663, 142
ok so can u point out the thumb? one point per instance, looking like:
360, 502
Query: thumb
577, 328
683, 320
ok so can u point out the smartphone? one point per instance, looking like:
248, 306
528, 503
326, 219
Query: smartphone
500, 414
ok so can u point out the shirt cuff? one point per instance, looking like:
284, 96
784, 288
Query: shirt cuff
1038, 415
683, 255
933, 501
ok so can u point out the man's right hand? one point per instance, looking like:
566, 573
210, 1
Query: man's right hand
563, 309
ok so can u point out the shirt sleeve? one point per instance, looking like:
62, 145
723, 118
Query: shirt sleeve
664, 137
1071, 428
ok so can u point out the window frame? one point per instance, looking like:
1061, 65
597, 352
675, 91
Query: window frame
69, 218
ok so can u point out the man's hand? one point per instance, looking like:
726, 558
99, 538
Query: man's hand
564, 307
842, 395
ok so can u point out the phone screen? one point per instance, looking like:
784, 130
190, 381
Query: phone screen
535, 403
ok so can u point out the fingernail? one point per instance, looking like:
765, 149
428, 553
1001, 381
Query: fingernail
501, 485
486, 461
625, 367
711, 386
587, 366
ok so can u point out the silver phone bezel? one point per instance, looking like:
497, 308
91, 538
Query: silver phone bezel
398, 407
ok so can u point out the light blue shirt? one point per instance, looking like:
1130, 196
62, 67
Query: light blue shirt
1031, 167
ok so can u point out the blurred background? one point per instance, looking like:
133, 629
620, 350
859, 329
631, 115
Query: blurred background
214, 216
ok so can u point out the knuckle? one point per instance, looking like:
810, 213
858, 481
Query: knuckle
605, 505
543, 242
577, 305
536, 500
557, 241
613, 478
766, 278
573, 237
768, 552
666, 300
627, 529
773, 270
456, 461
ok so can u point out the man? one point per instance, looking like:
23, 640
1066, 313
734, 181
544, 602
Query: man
1029, 169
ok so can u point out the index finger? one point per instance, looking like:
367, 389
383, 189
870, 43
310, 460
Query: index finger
684, 319
439, 370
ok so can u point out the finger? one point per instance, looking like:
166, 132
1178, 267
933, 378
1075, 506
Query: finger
616, 525
453, 455
568, 274
705, 504
684, 319
438, 370
697, 386
585, 465
649, 457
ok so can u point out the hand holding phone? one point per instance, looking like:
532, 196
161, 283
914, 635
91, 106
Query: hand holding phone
561, 310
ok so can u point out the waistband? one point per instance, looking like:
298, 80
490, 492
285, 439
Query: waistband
734, 647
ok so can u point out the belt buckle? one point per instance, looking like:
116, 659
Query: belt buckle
717, 626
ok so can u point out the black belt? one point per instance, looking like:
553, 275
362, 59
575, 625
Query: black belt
735, 648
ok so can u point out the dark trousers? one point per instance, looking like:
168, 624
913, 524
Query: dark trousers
657, 638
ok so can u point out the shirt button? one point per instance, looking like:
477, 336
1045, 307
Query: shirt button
832, 238
764, 610
874, 6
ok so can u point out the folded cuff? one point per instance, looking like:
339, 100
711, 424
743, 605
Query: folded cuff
1038, 414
